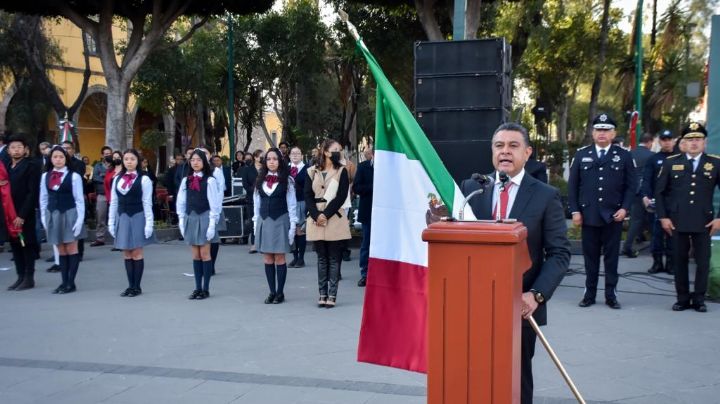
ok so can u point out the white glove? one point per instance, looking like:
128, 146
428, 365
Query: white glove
77, 228
111, 228
291, 233
210, 234
181, 226
148, 230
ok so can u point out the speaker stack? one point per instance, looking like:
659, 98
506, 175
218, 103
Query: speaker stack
463, 91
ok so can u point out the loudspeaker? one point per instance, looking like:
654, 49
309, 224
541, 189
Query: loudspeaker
463, 92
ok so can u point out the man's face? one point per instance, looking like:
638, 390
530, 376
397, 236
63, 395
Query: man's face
69, 149
510, 152
284, 149
44, 149
666, 144
16, 150
695, 145
106, 152
603, 137
217, 161
179, 159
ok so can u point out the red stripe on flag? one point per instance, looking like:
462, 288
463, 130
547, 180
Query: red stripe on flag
393, 331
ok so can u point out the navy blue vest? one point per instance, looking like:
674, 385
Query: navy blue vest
275, 204
197, 201
62, 199
131, 202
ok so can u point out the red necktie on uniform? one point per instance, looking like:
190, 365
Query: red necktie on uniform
195, 183
55, 179
503, 201
271, 180
293, 171
128, 179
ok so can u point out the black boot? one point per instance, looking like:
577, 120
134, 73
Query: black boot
21, 275
657, 265
669, 265
29, 256
28, 281
19, 267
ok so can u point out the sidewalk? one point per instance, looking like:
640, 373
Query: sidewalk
95, 346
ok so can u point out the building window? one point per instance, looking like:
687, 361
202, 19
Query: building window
89, 44
273, 136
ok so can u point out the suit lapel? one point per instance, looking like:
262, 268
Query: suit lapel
523, 196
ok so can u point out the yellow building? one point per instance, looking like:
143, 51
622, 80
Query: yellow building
90, 117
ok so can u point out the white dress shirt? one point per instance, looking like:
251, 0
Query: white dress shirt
212, 196
696, 162
289, 198
77, 191
598, 148
512, 192
117, 188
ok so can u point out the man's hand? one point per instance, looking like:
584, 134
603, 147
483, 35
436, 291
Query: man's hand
18, 222
668, 226
529, 305
619, 216
646, 201
577, 219
714, 226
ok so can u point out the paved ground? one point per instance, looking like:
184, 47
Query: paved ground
94, 346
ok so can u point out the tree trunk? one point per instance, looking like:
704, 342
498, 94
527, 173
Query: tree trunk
428, 19
472, 18
653, 32
562, 120
597, 81
116, 120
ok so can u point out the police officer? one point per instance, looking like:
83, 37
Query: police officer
661, 244
639, 218
683, 194
601, 189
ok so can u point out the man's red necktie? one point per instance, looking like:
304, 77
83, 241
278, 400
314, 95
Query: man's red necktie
504, 199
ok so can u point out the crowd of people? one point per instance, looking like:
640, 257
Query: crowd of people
49, 198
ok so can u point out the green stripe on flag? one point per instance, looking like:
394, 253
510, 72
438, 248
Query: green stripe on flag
396, 130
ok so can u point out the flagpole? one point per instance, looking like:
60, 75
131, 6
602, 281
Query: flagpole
556, 360
351, 27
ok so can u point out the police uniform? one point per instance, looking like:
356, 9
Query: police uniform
684, 194
602, 181
661, 243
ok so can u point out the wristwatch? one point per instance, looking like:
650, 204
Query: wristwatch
539, 297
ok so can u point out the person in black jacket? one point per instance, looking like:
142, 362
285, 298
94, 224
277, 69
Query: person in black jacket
363, 187
536, 169
249, 174
24, 176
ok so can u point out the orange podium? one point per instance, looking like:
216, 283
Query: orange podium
475, 287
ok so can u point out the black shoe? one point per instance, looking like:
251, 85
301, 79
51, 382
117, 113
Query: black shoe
300, 263
657, 265
97, 243
631, 253
51, 259
330, 302
270, 299
292, 263
322, 301
195, 294
362, 282
16, 284
613, 304
54, 268
68, 289
346, 255
586, 302
680, 306
252, 252
203, 295
115, 249
134, 292
126, 293
58, 289
700, 307
279, 298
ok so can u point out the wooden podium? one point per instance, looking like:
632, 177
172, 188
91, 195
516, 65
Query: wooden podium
475, 288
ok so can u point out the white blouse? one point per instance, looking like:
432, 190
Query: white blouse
77, 191
117, 188
214, 200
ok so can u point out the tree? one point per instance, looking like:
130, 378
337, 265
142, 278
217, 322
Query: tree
148, 23
599, 68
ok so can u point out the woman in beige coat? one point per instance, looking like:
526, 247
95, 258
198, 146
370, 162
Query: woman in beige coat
326, 191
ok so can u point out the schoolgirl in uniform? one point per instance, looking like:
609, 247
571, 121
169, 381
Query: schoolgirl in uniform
130, 220
198, 208
275, 220
62, 212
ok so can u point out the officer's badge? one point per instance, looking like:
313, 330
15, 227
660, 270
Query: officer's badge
587, 159
616, 158
678, 167
708, 166
694, 126
604, 118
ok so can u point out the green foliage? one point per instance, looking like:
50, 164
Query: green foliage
151, 139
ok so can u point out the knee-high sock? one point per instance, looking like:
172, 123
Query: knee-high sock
281, 275
198, 270
207, 267
214, 249
129, 271
73, 266
270, 275
64, 269
138, 269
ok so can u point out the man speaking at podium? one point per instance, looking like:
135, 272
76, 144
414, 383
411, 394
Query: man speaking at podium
537, 206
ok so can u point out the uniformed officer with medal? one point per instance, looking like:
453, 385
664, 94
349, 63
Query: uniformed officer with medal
601, 188
684, 198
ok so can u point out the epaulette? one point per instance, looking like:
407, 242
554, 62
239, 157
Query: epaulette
674, 155
584, 147
714, 155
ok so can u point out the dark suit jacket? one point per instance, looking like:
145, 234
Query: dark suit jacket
641, 155
25, 187
547, 240
77, 165
537, 170
363, 187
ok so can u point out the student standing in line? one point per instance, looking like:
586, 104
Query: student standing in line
130, 221
62, 212
198, 211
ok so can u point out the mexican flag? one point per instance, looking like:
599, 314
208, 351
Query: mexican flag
411, 189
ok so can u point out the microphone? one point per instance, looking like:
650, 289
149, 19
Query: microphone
481, 179
504, 179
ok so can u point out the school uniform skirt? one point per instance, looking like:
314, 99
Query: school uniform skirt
59, 226
130, 233
271, 236
196, 226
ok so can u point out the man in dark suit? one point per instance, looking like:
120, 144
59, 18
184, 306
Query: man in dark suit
537, 206
639, 218
601, 189
363, 187
661, 241
24, 176
536, 169
684, 198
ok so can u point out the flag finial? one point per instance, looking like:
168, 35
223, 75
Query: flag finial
353, 31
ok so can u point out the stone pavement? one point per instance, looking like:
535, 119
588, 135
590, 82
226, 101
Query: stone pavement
94, 346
